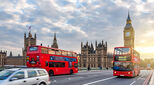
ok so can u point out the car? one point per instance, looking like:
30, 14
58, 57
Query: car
24, 76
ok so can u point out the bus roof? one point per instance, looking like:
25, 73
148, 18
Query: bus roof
50, 48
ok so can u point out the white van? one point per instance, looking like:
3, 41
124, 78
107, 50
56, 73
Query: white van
24, 76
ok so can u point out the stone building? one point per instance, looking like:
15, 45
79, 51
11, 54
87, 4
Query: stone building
28, 41
129, 33
94, 57
3, 55
14, 60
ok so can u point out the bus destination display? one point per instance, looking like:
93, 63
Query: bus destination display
122, 58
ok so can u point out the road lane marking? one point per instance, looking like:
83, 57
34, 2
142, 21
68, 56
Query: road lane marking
69, 78
139, 78
132, 82
99, 80
54, 81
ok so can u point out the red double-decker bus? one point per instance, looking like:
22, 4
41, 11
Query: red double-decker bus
126, 62
55, 61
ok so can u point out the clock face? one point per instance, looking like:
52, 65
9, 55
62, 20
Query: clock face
127, 34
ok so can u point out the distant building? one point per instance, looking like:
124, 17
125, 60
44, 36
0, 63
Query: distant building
97, 57
110, 60
54, 45
28, 41
3, 55
14, 60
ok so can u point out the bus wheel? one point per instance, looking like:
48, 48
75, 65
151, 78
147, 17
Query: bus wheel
71, 71
51, 73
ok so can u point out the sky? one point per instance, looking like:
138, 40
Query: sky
75, 21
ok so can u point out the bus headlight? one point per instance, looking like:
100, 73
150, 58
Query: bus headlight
128, 72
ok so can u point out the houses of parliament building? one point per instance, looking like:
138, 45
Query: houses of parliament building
95, 56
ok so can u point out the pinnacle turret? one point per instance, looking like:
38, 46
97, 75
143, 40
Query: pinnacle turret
128, 19
54, 45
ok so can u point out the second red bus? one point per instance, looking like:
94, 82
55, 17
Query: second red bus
126, 62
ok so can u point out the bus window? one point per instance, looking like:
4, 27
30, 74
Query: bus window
72, 59
44, 50
59, 58
75, 65
51, 51
64, 53
122, 66
33, 48
52, 57
70, 64
69, 53
122, 51
58, 52
51, 64
59, 64
56, 64
74, 54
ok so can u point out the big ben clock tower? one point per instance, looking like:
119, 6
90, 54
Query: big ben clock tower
129, 33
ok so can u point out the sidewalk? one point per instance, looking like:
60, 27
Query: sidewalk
152, 80
94, 70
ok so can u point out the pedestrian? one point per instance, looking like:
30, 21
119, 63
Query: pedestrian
88, 67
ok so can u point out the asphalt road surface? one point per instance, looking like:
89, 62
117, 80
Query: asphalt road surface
104, 77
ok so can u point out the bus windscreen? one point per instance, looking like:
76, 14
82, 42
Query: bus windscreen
122, 66
122, 51
33, 48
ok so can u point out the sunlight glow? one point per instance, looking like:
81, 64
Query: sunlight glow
145, 50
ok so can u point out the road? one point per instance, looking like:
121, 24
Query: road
103, 77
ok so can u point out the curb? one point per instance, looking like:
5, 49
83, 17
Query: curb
148, 79
152, 80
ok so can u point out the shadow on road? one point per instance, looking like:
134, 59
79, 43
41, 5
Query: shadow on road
124, 77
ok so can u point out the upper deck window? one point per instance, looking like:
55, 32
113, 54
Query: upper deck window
122, 51
33, 48
58, 52
44, 50
74, 55
64, 53
51, 51
69, 53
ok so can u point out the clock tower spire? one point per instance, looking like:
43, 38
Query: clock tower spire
129, 33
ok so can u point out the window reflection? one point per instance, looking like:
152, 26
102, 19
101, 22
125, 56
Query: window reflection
122, 51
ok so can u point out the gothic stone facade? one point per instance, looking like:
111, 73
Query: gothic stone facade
94, 57
28, 41
55, 44
14, 60
2, 58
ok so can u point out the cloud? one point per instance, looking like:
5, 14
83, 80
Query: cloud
74, 21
